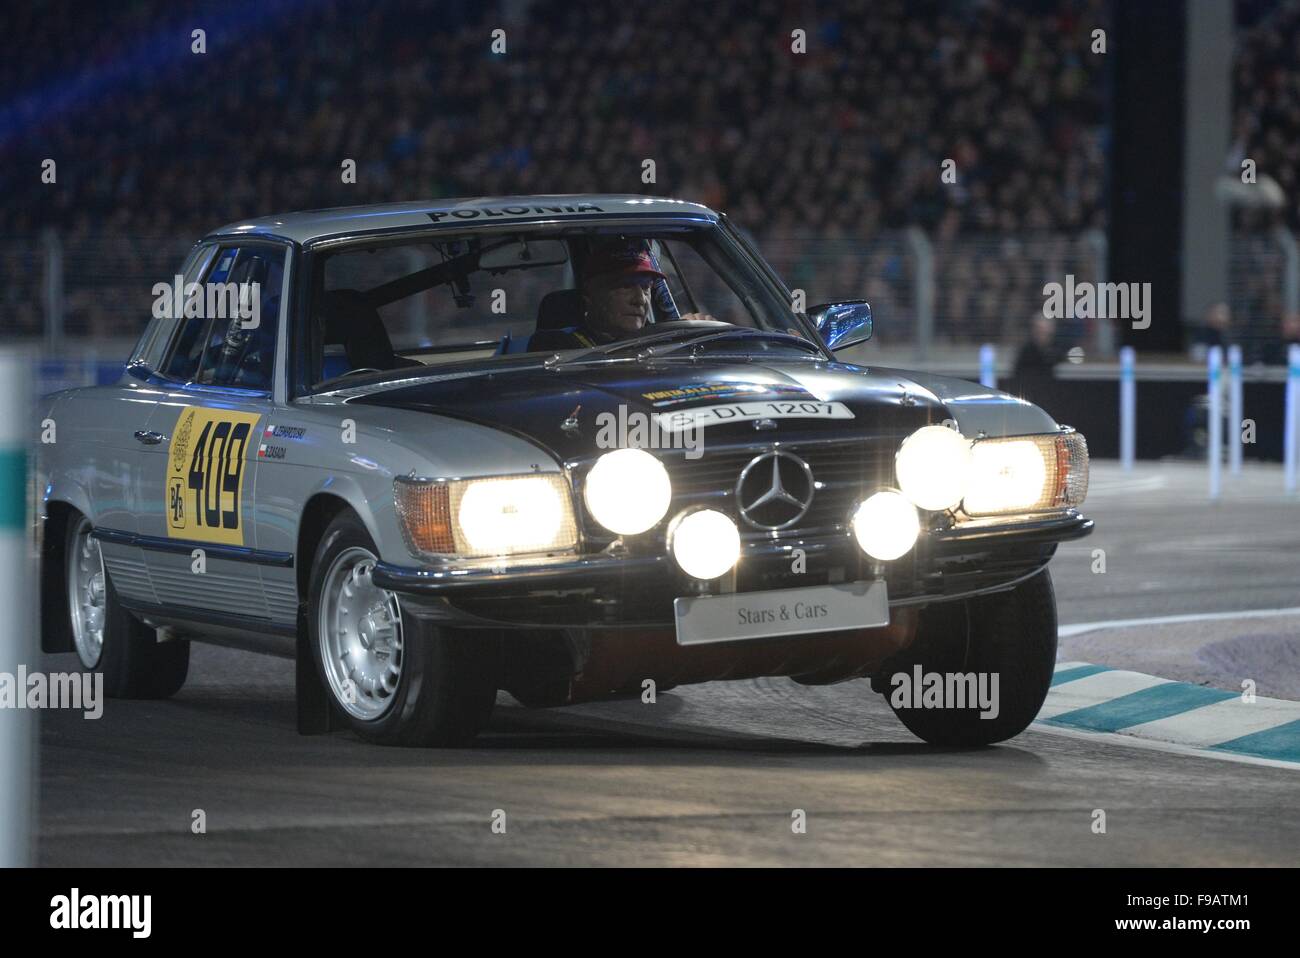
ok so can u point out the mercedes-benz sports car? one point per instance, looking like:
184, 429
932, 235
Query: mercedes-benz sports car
569, 447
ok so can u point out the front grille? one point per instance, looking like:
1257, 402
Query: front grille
844, 472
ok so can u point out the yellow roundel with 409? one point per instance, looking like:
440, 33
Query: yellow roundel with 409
205, 474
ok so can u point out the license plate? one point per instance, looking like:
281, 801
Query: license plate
762, 615
698, 418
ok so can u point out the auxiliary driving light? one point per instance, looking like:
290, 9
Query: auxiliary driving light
705, 543
627, 491
886, 525
933, 467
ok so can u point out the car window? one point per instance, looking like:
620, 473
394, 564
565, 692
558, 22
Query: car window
487, 308
696, 287
183, 363
158, 334
233, 342
438, 300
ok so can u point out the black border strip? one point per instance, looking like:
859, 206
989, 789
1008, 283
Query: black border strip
283, 560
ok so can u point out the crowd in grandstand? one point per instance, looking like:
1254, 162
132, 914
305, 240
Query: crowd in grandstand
846, 138
1267, 96
822, 128
837, 132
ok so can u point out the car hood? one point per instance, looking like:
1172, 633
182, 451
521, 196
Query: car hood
564, 408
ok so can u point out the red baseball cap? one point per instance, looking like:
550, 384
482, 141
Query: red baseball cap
611, 260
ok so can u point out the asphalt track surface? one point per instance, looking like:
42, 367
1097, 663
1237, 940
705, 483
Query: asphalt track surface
711, 775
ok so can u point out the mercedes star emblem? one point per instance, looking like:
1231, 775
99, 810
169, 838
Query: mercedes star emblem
774, 490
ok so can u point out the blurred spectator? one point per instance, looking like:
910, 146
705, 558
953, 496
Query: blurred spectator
1035, 370
1275, 354
1215, 330
1039, 355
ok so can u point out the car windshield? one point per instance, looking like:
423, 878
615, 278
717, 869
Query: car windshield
392, 305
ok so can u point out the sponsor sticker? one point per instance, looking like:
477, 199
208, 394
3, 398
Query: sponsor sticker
731, 390
474, 212
272, 431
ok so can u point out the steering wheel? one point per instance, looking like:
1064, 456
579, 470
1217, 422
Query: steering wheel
362, 369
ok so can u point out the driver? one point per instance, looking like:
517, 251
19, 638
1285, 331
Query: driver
615, 286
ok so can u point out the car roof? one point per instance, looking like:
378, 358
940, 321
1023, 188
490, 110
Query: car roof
311, 225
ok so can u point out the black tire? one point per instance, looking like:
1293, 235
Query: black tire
135, 665
447, 686
1010, 634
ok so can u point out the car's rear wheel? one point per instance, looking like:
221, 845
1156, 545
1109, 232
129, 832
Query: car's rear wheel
1010, 635
394, 679
109, 639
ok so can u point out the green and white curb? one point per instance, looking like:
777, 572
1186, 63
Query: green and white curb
1093, 699
17, 633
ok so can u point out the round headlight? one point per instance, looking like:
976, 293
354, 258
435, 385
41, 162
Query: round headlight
705, 543
886, 525
933, 467
627, 491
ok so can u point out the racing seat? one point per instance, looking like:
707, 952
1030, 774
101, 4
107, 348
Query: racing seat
559, 309
349, 320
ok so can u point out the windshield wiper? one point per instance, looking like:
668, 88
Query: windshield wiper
609, 349
645, 345
739, 333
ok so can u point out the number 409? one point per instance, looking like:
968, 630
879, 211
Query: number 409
215, 470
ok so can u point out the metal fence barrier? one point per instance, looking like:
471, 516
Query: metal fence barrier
85, 296
928, 296
1263, 290
940, 298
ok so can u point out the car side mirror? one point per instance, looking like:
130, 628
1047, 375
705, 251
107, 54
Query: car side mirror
843, 324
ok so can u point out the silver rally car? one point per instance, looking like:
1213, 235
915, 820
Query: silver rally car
561, 446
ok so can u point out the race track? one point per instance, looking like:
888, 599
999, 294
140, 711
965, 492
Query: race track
711, 774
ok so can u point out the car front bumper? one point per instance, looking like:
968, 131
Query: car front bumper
624, 589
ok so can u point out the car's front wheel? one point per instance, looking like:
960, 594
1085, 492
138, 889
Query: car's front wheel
996, 652
109, 639
395, 679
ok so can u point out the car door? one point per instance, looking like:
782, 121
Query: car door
111, 425
196, 508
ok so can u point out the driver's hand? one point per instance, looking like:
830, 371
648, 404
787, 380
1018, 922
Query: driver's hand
696, 317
